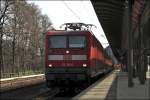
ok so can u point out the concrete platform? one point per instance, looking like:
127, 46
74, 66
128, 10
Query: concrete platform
137, 92
115, 87
18, 82
99, 90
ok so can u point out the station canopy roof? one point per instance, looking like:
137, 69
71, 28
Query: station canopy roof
110, 14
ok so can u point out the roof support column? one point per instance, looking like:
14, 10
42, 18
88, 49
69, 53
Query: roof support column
130, 46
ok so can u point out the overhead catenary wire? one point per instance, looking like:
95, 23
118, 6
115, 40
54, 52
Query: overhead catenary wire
71, 10
79, 18
91, 19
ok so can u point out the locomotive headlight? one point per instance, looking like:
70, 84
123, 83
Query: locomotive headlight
67, 51
84, 65
50, 65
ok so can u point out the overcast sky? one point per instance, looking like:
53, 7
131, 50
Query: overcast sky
60, 12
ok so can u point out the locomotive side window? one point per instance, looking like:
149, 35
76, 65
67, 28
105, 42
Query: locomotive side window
57, 42
77, 41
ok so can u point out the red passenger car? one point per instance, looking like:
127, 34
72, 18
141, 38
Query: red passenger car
73, 57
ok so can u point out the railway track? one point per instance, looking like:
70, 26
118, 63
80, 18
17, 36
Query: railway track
47, 95
24, 93
41, 92
55, 94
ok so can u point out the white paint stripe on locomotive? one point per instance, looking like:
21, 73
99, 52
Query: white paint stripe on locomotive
79, 57
61, 57
55, 57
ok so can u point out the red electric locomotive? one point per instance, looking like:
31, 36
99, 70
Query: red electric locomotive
73, 56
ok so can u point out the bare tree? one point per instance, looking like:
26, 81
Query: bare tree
22, 34
4, 10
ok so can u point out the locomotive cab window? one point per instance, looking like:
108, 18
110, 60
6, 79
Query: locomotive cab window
57, 42
77, 41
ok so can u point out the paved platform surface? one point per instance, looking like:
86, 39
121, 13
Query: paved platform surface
18, 82
137, 92
115, 87
100, 90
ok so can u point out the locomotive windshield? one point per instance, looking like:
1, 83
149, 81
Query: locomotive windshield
77, 41
58, 42
67, 42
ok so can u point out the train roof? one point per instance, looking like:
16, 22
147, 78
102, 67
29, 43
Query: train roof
64, 32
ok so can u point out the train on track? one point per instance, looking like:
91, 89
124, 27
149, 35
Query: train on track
74, 56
